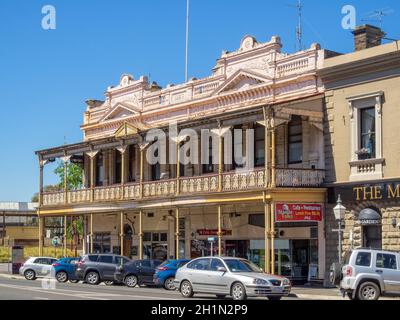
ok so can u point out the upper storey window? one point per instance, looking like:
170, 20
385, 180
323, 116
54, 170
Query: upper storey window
366, 136
295, 140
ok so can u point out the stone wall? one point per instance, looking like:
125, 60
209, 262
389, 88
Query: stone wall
390, 234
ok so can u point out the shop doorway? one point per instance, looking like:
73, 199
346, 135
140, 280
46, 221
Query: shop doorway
372, 237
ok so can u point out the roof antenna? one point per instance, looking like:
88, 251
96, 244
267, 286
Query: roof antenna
299, 29
187, 41
378, 15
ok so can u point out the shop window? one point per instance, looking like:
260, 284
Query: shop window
163, 237
295, 140
363, 259
102, 242
147, 236
259, 146
156, 237
386, 261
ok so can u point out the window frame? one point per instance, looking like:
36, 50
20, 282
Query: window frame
296, 121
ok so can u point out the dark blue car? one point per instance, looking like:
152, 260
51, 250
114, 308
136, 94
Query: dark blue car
165, 273
64, 269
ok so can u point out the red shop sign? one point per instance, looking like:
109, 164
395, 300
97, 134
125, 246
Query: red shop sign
298, 212
213, 232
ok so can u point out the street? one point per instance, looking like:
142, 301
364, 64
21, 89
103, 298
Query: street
17, 288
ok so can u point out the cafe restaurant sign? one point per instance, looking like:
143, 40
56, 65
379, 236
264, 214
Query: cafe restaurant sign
298, 212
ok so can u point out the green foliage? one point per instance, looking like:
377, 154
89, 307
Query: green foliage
74, 176
75, 228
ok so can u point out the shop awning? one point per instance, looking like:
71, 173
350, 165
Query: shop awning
369, 216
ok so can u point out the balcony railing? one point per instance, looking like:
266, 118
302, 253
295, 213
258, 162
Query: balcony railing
231, 181
298, 178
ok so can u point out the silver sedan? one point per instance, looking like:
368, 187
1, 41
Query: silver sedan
226, 276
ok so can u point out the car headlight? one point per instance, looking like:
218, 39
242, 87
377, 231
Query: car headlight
260, 281
286, 282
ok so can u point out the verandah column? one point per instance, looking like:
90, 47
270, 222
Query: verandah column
177, 232
140, 235
121, 234
91, 233
267, 248
219, 234
65, 159
92, 154
65, 237
272, 233
41, 231
122, 150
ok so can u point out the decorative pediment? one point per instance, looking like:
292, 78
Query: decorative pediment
126, 130
121, 110
241, 80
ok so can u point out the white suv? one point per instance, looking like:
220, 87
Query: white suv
368, 274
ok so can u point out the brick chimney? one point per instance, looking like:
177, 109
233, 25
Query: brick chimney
367, 36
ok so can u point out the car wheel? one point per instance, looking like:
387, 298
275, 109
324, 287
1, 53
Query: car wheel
62, 276
92, 278
186, 289
169, 283
220, 296
274, 298
368, 291
108, 283
131, 281
74, 281
30, 275
238, 291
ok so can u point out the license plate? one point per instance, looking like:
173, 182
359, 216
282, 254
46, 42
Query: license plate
277, 289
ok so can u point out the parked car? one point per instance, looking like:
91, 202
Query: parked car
138, 272
36, 267
165, 273
235, 277
367, 274
96, 268
64, 269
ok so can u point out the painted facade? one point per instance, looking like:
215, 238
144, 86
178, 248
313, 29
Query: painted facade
140, 210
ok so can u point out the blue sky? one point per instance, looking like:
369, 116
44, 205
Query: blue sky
45, 76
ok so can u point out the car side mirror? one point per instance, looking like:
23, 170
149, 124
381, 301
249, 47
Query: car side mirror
221, 269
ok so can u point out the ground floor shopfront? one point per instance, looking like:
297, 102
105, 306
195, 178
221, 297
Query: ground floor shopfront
292, 230
372, 218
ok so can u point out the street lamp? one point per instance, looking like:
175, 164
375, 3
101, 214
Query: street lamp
339, 212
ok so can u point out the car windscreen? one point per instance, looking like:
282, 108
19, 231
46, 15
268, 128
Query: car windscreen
236, 265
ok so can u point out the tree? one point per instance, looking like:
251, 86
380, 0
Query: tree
75, 232
74, 176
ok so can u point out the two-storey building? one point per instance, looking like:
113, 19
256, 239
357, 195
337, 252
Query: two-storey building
362, 144
270, 211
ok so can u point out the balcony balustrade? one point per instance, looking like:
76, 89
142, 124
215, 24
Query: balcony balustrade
231, 182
